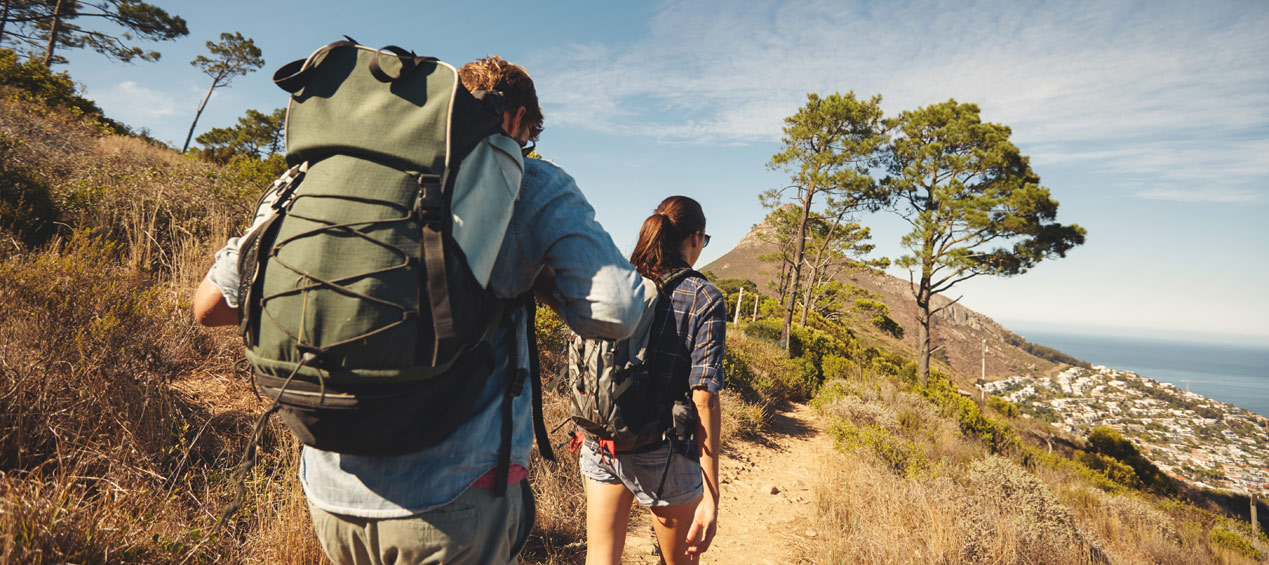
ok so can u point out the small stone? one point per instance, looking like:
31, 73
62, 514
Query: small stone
811, 533
772, 489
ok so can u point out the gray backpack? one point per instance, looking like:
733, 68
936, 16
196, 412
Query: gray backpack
614, 397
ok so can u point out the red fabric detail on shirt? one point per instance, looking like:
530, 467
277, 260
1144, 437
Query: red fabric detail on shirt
515, 474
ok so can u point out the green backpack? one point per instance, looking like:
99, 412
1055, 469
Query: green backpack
364, 304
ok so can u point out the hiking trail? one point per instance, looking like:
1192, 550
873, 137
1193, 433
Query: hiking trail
766, 508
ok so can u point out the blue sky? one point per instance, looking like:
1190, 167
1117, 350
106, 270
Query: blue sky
1149, 121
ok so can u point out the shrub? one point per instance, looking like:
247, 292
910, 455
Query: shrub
1048, 531
996, 435
1002, 406
1112, 445
743, 419
901, 455
836, 367
767, 329
26, 204
1233, 541
854, 410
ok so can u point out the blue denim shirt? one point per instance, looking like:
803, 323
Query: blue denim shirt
601, 295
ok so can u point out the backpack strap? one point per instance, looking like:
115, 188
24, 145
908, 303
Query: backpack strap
432, 207
292, 76
514, 389
674, 275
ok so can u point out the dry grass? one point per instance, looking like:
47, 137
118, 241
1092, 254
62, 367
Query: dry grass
119, 417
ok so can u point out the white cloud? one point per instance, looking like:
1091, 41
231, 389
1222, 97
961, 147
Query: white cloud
1218, 195
1114, 85
130, 102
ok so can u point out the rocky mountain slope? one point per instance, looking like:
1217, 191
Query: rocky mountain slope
958, 330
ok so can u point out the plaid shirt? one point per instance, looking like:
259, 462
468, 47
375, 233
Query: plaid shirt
688, 336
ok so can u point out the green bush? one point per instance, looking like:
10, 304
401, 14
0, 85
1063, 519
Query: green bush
1004, 407
901, 455
767, 329
1033, 456
836, 367
996, 435
1106, 441
26, 205
1233, 541
1114, 469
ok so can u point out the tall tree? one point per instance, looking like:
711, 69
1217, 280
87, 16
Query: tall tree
778, 229
53, 24
828, 148
232, 57
836, 244
974, 204
257, 135
16, 17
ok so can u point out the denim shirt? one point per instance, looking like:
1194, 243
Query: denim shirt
601, 296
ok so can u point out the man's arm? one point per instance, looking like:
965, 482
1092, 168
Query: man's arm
210, 308
598, 292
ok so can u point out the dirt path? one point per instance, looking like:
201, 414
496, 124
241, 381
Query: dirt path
765, 512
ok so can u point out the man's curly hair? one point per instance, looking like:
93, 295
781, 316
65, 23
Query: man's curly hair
493, 73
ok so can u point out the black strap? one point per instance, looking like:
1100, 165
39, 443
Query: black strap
515, 388
535, 381
292, 76
666, 471
408, 63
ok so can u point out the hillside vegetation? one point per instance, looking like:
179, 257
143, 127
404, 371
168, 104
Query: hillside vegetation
120, 418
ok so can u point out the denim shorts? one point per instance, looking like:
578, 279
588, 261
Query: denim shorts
642, 472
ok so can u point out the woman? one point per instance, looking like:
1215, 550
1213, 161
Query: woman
678, 481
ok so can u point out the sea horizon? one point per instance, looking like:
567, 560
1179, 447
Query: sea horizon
1235, 373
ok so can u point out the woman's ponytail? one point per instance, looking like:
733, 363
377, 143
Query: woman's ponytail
661, 237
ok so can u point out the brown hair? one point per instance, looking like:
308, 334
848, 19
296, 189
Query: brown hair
493, 73
662, 235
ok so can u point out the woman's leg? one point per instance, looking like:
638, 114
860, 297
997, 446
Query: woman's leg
607, 513
671, 524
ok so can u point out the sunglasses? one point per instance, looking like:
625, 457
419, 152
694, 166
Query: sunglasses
706, 236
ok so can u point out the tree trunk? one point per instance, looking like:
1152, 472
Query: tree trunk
923, 332
784, 281
798, 252
52, 35
810, 292
197, 114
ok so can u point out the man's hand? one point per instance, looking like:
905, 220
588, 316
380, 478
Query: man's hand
704, 526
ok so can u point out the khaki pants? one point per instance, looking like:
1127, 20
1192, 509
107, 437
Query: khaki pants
476, 528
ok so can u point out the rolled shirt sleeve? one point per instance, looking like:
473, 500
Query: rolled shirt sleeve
600, 292
224, 270
709, 326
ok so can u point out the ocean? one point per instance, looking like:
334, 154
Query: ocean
1234, 374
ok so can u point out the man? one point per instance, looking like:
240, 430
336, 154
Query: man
437, 505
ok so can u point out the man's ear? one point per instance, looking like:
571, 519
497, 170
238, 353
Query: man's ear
511, 120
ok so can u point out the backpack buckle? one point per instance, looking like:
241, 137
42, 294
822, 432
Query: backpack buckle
430, 197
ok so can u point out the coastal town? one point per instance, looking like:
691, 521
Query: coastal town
1205, 442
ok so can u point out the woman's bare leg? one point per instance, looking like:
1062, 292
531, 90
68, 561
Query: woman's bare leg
672, 524
607, 514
